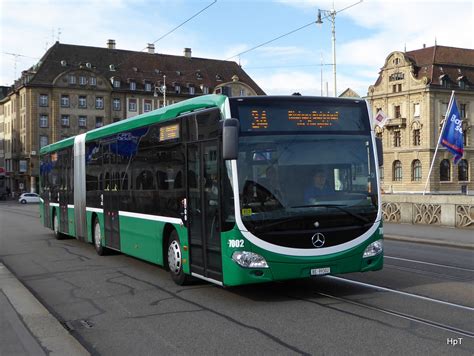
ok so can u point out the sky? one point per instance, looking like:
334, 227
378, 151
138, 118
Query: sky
366, 33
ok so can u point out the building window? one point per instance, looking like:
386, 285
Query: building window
397, 171
397, 139
43, 120
242, 92
99, 121
116, 104
381, 173
133, 85
72, 79
147, 106
192, 90
43, 141
93, 81
177, 89
464, 137
82, 121
132, 104
43, 100
396, 112
147, 86
445, 171
65, 120
82, 80
64, 101
116, 83
83, 102
205, 90
416, 110
416, 137
462, 110
463, 171
99, 102
416, 170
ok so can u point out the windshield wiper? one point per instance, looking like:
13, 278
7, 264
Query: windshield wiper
339, 207
265, 226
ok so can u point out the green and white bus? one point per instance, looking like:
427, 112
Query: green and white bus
216, 188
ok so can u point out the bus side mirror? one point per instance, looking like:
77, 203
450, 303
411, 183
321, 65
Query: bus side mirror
230, 139
378, 142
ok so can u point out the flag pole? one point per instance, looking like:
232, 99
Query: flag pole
439, 139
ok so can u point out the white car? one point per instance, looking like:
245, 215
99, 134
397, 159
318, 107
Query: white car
29, 198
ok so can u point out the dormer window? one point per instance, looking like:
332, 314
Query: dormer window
462, 82
443, 80
133, 85
177, 88
147, 86
116, 82
82, 80
218, 77
198, 76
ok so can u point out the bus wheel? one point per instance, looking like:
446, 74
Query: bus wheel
101, 250
175, 260
57, 234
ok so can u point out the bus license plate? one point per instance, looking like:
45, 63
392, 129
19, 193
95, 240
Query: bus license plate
320, 271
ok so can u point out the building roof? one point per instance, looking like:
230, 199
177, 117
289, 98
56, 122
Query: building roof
138, 66
450, 62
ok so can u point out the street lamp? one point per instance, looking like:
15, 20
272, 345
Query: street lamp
331, 15
161, 89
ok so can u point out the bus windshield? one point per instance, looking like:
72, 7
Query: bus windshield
293, 180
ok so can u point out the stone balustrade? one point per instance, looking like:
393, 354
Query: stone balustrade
443, 210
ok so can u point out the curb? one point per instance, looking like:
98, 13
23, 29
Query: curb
429, 241
47, 330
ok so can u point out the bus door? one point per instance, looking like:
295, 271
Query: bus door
111, 197
65, 166
203, 199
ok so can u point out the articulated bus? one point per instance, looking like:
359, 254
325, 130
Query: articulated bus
217, 188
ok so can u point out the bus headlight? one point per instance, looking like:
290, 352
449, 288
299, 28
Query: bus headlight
249, 259
373, 249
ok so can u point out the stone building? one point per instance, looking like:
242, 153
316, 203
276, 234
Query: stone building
413, 89
74, 89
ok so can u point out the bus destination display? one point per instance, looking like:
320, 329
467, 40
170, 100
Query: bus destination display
296, 119
169, 132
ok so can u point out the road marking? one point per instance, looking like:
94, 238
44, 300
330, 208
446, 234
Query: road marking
431, 264
464, 307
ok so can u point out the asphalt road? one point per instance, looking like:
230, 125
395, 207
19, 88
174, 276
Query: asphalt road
118, 305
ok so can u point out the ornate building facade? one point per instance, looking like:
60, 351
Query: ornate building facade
413, 89
74, 89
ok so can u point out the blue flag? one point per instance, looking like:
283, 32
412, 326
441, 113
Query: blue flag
452, 136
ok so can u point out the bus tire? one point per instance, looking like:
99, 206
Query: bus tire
57, 234
97, 237
175, 261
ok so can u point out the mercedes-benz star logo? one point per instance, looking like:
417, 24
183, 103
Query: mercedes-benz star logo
318, 240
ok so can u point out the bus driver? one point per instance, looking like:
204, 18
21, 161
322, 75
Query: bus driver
318, 187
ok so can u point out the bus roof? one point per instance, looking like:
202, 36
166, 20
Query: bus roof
158, 115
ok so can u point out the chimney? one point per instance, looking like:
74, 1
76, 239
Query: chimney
151, 48
424, 45
187, 52
111, 44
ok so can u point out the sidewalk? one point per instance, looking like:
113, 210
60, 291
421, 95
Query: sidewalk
434, 235
27, 328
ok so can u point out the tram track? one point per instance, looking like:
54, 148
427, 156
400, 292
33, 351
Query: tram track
405, 316
429, 263
388, 310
